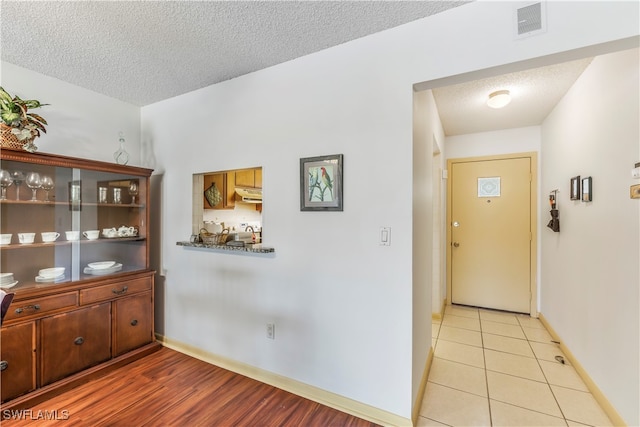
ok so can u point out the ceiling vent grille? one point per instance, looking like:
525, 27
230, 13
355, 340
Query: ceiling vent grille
530, 19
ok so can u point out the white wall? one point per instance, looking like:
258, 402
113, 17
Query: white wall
508, 141
342, 303
82, 123
427, 173
422, 230
590, 272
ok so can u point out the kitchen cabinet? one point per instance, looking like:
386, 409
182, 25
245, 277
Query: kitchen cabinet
258, 178
225, 182
249, 178
61, 331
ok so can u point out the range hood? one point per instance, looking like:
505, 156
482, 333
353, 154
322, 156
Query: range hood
249, 195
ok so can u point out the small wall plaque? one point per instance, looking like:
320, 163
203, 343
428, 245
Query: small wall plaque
587, 193
635, 191
489, 187
574, 194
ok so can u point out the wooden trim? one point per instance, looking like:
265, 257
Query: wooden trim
533, 269
307, 391
72, 162
439, 315
606, 405
417, 405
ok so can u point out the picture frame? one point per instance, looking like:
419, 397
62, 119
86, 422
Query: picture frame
321, 186
587, 191
574, 193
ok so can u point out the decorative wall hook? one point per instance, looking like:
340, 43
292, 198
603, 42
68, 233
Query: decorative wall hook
554, 223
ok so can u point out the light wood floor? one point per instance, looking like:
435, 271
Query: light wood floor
168, 388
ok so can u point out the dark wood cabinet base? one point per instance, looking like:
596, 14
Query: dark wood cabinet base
54, 389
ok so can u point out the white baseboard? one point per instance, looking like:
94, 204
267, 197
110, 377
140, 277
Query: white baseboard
324, 397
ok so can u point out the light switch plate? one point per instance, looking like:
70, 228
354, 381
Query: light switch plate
385, 236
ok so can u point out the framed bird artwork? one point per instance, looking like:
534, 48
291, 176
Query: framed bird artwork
321, 183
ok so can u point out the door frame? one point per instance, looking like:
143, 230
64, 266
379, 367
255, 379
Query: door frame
533, 244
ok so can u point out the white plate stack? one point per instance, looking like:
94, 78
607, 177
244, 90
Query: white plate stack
7, 281
102, 267
53, 274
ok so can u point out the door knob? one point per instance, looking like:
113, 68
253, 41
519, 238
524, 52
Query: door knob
456, 244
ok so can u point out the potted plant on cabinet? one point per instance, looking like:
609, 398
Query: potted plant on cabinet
19, 128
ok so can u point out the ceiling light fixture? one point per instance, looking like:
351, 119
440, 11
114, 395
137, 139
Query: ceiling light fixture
499, 99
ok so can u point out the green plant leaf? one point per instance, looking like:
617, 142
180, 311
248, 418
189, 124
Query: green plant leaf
4, 95
9, 117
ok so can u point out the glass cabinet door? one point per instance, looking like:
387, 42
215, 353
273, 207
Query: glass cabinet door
62, 224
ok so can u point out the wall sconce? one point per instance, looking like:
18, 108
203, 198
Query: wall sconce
499, 99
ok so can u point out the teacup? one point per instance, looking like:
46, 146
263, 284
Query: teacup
125, 231
25, 238
91, 234
49, 236
72, 235
5, 239
110, 232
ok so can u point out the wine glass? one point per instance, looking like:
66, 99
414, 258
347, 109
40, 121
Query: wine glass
133, 192
33, 182
5, 182
18, 179
46, 182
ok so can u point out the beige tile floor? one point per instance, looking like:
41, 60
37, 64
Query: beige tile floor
493, 368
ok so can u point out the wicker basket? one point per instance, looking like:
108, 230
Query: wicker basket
10, 140
214, 238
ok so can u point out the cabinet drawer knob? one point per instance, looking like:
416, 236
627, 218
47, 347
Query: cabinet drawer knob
34, 307
78, 341
134, 322
3, 365
121, 291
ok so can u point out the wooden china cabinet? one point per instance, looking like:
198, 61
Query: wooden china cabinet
62, 330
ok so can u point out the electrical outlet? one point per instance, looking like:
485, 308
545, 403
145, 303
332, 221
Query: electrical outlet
271, 331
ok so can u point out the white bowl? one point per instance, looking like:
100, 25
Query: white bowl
101, 264
50, 273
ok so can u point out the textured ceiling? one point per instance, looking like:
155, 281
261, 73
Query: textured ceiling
146, 51
463, 107
142, 52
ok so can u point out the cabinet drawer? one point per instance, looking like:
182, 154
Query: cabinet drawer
114, 290
37, 307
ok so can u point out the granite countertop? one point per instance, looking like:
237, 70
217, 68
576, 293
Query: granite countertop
253, 248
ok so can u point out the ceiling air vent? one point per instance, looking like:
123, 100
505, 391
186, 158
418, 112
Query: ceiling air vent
530, 19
